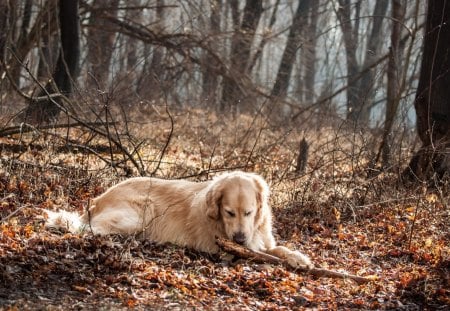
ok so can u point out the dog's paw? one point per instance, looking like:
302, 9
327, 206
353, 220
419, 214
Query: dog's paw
296, 260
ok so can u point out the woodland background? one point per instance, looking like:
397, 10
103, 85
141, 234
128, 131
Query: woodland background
340, 104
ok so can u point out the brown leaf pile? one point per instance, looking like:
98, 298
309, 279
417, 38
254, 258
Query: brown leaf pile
334, 213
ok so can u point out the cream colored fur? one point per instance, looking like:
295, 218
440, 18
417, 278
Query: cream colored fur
233, 205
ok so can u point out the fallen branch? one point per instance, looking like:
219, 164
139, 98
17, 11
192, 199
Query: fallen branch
2, 220
259, 257
26, 128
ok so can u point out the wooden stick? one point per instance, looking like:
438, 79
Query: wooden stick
259, 257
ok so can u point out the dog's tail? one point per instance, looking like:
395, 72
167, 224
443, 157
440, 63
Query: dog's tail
65, 220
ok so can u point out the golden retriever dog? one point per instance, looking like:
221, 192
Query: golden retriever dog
191, 214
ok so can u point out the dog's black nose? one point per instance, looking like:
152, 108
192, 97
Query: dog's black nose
239, 238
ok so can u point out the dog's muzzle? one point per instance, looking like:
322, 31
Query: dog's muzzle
239, 238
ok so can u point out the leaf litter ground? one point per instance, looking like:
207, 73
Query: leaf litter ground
340, 218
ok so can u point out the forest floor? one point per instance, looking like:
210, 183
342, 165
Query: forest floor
342, 217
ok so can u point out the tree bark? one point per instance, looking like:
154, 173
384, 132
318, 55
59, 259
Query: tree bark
210, 79
360, 91
151, 83
5, 25
48, 53
309, 54
23, 34
66, 67
393, 77
265, 39
100, 42
28, 37
432, 98
132, 44
351, 44
366, 85
293, 44
241, 44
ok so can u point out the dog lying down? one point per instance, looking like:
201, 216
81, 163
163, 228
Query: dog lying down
191, 214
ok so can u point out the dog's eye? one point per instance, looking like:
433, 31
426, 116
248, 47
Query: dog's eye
231, 214
247, 213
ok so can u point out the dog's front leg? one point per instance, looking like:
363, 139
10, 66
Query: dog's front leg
295, 259
265, 242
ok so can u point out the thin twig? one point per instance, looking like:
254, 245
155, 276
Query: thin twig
14, 213
413, 222
75, 118
169, 138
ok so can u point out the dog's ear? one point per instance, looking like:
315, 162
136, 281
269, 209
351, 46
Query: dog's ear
262, 196
213, 202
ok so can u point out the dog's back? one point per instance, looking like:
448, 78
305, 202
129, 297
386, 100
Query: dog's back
154, 207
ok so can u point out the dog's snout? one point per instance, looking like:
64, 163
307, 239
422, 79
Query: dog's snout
239, 237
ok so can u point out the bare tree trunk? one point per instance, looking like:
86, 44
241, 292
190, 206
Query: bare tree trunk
151, 84
264, 40
210, 79
309, 54
293, 44
351, 44
365, 89
100, 41
241, 45
5, 25
360, 91
22, 40
23, 34
393, 76
131, 43
432, 98
66, 67
48, 55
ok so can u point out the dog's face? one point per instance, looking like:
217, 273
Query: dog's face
238, 201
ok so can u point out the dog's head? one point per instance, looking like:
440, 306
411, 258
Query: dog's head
240, 201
